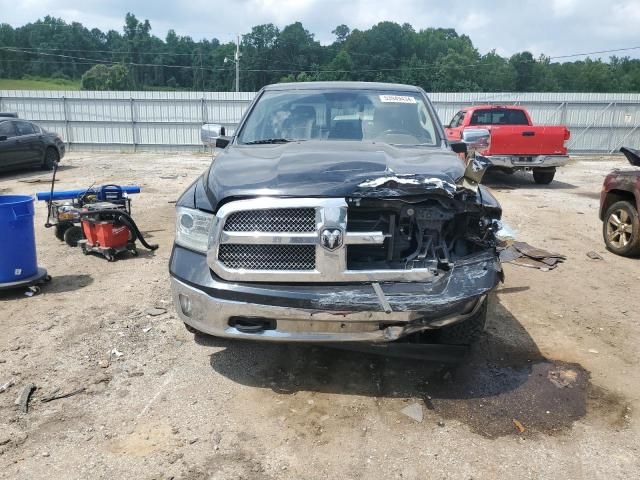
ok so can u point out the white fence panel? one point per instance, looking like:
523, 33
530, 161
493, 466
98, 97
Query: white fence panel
599, 122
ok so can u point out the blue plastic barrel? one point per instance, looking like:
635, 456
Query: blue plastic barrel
17, 239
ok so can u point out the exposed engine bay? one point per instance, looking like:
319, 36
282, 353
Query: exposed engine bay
420, 231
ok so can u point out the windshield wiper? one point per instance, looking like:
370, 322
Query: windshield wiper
265, 141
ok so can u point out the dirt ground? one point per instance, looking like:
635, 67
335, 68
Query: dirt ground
550, 391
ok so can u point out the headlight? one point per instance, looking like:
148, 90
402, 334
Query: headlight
193, 228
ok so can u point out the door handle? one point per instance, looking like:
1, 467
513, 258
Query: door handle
529, 134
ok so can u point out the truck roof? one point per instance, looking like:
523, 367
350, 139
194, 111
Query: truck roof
342, 85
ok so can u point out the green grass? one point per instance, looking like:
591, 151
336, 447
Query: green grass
38, 84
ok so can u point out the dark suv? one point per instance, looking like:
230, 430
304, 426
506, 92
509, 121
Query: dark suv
25, 144
619, 207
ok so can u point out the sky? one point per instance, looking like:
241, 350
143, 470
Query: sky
550, 27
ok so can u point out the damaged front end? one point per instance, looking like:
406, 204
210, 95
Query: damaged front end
400, 255
427, 223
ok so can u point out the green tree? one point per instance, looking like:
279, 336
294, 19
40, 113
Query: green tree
103, 77
96, 78
433, 58
495, 74
341, 32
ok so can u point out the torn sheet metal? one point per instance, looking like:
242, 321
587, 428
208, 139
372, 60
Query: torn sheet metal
524, 255
476, 168
467, 280
384, 303
396, 185
633, 155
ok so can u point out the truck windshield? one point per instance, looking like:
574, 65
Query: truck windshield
499, 116
400, 118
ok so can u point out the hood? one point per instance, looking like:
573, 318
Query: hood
331, 168
633, 155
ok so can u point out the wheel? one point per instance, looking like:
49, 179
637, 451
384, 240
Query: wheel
73, 235
61, 228
621, 229
51, 157
544, 176
465, 332
110, 256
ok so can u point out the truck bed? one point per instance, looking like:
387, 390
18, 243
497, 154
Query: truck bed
527, 140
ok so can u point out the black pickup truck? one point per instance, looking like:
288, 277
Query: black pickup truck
337, 212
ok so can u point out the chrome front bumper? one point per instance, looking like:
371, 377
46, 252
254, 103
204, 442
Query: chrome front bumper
212, 315
528, 161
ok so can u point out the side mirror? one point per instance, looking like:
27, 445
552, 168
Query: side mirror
476, 140
3, 138
210, 132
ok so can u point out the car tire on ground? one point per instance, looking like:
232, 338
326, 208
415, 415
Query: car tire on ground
51, 157
544, 176
621, 229
73, 235
465, 332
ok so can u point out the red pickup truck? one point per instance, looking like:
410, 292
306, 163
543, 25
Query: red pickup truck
516, 144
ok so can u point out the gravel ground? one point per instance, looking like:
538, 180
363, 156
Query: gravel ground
550, 391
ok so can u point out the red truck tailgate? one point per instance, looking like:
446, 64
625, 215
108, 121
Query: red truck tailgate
527, 140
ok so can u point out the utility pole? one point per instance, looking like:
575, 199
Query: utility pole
237, 58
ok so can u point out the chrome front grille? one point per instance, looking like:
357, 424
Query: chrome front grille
268, 257
292, 240
272, 220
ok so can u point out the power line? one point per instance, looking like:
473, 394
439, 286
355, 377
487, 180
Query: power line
108, 62
85, 60
594, 53
128, 52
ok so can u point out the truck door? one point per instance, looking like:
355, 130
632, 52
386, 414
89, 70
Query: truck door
30, 144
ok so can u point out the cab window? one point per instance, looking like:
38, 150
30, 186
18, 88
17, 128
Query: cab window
393, 117
499, 116
456, 121
7, 129
24, 128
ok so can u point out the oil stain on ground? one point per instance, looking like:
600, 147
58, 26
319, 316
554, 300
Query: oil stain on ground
503, 387
497, 399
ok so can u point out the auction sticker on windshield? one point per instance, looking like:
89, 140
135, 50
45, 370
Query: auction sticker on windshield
397, 99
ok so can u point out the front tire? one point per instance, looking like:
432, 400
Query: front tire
465, 332
544, 176
621, 229
51, 157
